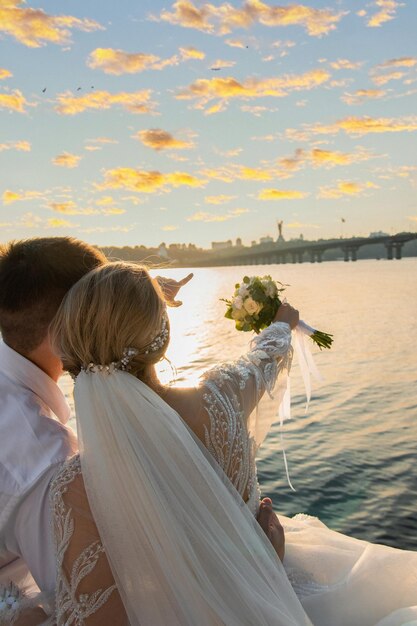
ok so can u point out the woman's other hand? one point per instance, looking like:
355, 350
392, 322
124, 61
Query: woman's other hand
287, 313
171, 287
271, 526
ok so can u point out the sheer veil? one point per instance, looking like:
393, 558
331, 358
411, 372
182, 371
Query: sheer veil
183, 548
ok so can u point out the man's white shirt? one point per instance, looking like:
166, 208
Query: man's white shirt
34, 440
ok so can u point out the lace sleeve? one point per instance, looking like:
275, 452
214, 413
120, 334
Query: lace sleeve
86, 592
232, 391
246, 379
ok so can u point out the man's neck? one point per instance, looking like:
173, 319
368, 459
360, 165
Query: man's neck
46, 360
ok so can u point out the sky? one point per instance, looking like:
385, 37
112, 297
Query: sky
141, 122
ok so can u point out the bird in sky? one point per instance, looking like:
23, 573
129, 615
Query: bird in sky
43, 90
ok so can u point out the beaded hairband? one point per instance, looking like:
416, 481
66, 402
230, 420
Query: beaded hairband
129, 353
161, 338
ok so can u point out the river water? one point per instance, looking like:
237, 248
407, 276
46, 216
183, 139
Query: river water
352, 457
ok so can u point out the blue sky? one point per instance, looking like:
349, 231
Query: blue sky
134, 123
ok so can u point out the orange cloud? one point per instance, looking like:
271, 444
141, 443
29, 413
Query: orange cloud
9, 197
102, 140
202, 216
113, 211
225, 89
169, 228
54, 222
66, 159
239, 211
387, 11
34, 27
382, 79
235, 43
252, 173
23, 146
345, 188
400, 62
192, 53
219, 173
105, 201
366, 125
221, 64
221, 199
281, 194
29, 220
225, 18
70, 208
159, 139
108, 229
361, 95
329, 158
257, 111
356, 126
147, 181
118, 62
283, 45
135, 102
4, 73
14, 101
345, 64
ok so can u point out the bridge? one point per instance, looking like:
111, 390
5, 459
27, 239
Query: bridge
297, 252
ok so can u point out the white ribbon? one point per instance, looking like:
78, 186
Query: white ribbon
302, 333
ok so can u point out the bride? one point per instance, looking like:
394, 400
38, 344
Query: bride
154, 521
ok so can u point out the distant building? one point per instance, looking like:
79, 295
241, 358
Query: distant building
253, 243
162, 251
239, 243
266, 239
221, 245
378, 233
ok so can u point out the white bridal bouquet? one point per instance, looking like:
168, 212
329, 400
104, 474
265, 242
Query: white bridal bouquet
254, 305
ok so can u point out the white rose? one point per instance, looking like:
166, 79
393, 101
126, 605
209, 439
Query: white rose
271, 290
237, 302
238, 314
243, 291
251, 306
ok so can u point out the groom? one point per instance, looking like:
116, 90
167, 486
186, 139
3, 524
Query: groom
34, 277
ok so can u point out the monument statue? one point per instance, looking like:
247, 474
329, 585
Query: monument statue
280, 236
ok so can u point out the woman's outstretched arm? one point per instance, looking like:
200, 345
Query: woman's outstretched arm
243, 382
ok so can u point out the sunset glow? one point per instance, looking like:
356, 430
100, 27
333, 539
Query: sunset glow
192, 121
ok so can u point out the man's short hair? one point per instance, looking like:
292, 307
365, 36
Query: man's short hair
35, 275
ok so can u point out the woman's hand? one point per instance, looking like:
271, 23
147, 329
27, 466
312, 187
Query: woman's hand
171, 287
271, 526
287, 313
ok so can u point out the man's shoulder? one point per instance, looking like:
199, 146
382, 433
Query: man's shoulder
32, 439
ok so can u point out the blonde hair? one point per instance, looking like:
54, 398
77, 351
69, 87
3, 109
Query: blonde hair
113, 308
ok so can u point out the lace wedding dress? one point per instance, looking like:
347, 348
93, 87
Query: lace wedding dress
340, 581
